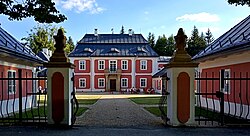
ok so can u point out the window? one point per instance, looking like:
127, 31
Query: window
124, 82
11, 83
101, 82
82, 82
112, 66
227, 82
82, 64
124, 65
143, 82
101, 64
143, 65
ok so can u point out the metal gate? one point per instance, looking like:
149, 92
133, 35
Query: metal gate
222, 100
23, 100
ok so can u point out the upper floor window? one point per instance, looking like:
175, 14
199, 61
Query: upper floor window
124, 65
101, 64
143, 82
143, 65
82, 64
82, 82
112, 65
101, 82
11, 82
124, 82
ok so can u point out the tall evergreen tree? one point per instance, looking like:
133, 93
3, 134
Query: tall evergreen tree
160, 46
151, 39
122, 30
170, 46
195, 43
209, 37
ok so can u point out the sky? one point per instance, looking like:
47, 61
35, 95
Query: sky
143, 16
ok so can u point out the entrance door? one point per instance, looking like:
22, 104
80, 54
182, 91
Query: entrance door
112, 85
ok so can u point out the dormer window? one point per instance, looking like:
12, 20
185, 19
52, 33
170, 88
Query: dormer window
114, 50
88, 50
141, 49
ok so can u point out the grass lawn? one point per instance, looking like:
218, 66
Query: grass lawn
155, 110
146, 100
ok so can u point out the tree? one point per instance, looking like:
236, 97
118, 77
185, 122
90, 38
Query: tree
195, 43
69, 45
151, 39
239, 2
170, 46
122, 30
41, 36
43, 11
209, 37
160, 46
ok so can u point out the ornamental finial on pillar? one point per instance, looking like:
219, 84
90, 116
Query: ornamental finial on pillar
180, 57
180, 39
59, 54
60, 41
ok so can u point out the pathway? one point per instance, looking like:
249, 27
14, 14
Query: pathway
116, 111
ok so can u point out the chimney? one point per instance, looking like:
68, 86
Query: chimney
130, 32
96, 32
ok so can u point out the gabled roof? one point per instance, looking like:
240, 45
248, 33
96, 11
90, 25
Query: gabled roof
235, 40
113, 38
165, 59
43, 56
10, 46
113, 45
161, 73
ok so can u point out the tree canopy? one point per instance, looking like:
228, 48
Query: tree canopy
41, 36
239, 2
165, 46
43, 11
122, 30
196, 42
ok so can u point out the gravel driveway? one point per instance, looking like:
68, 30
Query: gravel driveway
116, 111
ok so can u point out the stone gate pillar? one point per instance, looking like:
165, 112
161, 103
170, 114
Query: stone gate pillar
181, 73
60, 85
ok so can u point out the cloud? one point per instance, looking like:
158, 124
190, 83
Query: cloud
199, 17
81, 6
146, 12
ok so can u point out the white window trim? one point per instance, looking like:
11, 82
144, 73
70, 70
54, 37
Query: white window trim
145, 82
80, 79
103, 82
228, 81
145, 64
115, 64
80, 64
126, 81
12, 91
99, 64
126, 64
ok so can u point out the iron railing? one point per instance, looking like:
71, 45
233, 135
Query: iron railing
222, 100
163, 101
21, 102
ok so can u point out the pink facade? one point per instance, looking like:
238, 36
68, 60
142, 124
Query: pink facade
236, 87
26, 85
130, 74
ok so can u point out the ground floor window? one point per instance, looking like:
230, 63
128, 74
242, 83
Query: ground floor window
11, 82
143, 82
82, 82
124, 82
227, 82
101, 82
